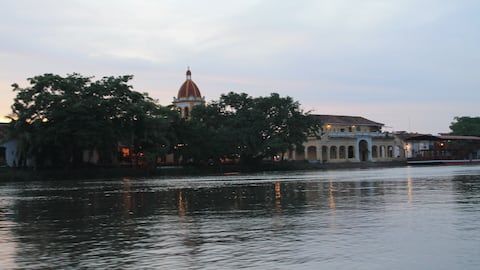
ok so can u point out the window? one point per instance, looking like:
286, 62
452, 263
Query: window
333, 152
390, 151
312, 153
351, 153
342, 153
125, 152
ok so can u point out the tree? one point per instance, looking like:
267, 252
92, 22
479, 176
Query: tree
250, 128
58, 118
203, 138
466, 126
285, 126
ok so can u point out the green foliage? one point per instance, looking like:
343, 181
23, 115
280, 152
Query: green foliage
57, 118
466, 126
239, 126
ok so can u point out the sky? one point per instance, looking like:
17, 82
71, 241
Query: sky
412, 65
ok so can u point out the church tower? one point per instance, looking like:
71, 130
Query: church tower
188, 96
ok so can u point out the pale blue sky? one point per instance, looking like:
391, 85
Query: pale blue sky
410, 64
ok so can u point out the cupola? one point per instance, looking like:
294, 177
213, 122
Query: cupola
188, 96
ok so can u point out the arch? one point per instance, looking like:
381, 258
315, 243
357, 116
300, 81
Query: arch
390, 151
333, 152
374, 151
342, 152
312, 153
351, 152
363, 150
324, 153
397, 151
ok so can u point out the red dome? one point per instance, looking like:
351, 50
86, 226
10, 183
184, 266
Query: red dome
189, 88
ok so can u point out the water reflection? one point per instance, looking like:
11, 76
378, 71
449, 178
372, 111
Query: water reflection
409, 189
334, 220
331, 196
7, 241
278, 196
182, 204
128, 199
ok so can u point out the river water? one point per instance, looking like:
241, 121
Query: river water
389, 218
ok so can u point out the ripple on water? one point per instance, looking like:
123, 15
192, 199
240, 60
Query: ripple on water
400, 218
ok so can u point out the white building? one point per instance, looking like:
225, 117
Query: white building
350, 139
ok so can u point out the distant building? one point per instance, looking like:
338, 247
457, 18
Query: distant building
3, 150
8, 148
188, 96
426, 148
350, 139
417, 144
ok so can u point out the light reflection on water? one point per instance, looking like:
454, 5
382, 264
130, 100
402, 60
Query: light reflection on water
392, 218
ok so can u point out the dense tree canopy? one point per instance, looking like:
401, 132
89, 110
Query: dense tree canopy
58, 118
467, 126
240, 126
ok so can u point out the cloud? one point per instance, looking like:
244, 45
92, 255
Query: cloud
374, 58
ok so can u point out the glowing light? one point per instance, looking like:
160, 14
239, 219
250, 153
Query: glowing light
125, 152
5, 119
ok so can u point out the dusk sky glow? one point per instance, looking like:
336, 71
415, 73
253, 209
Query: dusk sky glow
410, 64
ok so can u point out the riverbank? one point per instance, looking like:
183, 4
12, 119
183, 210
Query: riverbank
10, 174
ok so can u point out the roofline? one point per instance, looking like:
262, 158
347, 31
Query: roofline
336, 123
376, 124
459, 137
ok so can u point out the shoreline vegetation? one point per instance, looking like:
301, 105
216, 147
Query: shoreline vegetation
76, 127
70, 121
111, 173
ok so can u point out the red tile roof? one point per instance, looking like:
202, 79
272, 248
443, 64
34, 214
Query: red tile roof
189, 88
346, 120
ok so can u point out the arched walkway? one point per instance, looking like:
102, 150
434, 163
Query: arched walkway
342, 152
398, 152
333, 152
390, 151
363, 150
324, 153
351, 152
